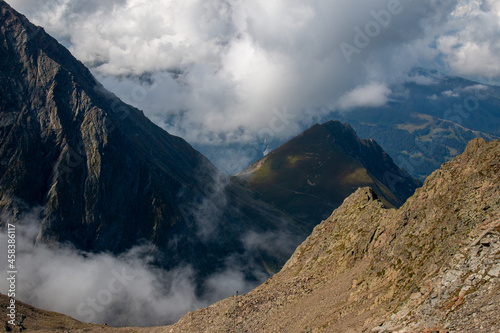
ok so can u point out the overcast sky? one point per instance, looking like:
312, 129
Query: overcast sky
227, 71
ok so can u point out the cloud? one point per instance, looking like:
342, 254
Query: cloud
468, 44
213, 72
278, 243
207, 208
476, 87
370, 95
450, 93
456, 92
120, 290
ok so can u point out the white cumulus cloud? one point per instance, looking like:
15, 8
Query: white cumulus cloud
370, 95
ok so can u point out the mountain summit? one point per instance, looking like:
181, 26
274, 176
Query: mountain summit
313, 173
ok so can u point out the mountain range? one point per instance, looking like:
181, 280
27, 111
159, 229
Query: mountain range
430, 120
430, 266
97, 174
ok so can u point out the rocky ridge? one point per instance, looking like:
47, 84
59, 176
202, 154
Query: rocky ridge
432, 265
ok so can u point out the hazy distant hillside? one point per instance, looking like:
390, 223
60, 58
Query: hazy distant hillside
429, 123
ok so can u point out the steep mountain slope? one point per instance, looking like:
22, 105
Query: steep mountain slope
104, 177
431, 265
313, 173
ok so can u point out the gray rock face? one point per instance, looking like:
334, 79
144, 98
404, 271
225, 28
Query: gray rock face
105, 177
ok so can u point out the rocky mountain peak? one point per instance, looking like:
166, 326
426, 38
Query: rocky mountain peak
313, 173
360, 198
342, 132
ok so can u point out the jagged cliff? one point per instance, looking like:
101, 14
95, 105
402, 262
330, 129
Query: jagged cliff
433, 264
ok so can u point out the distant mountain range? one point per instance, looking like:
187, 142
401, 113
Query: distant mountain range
429, 119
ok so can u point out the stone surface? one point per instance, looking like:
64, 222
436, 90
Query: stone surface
421, 268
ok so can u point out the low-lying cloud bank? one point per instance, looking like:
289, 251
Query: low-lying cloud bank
123, 290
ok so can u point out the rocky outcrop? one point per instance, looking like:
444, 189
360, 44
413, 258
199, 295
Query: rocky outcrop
431, 265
